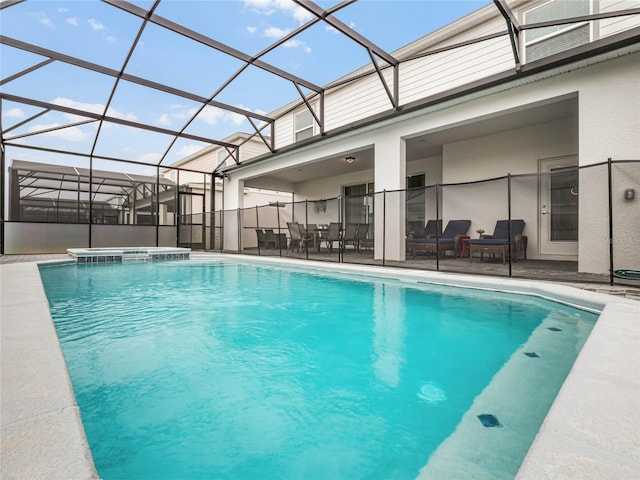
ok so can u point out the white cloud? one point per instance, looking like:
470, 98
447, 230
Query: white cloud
329, 28
13, 113
296, 44
72, 134
210, 115
62, 10
111, 38
301, 15
263, 6
187, 150
93, 108
164, 119
251, 29
148, 157
96, 25
235, 118
44, 19
275, 32
72, 21
269, 7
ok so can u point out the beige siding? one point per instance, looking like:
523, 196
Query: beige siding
252, 149
284, 131
438, 73
358, 100
616, 25
205, 163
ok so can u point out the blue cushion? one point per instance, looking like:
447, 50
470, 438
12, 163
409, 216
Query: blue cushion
489, 241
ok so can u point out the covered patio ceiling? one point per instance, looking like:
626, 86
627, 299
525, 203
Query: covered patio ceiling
422, 145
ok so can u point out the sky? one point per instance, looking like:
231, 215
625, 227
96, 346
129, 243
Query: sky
100, 33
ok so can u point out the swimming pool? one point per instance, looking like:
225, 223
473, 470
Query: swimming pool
318, 376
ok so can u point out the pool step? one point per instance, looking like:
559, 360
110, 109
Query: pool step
475, 451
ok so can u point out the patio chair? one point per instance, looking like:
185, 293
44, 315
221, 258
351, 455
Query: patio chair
499, 242
295, 236
350, 235
273, 240
361, 234
431, 229
312, 236
449, 240
333, 235
262, 240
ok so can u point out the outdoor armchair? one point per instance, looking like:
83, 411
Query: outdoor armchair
500, 242
274, 240
333, 235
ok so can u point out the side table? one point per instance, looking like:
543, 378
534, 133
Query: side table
464, 246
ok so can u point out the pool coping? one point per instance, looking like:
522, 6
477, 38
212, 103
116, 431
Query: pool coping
589, 432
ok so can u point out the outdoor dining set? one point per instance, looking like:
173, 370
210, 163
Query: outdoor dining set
507, 239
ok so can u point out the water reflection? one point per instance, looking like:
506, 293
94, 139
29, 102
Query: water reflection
389, 332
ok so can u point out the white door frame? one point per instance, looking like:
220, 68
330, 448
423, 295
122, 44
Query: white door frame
558, 250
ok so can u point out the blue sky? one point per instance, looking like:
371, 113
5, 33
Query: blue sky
99, 33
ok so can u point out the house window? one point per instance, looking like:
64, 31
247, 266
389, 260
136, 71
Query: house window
358, 203
303, 125
415, 204
542, 42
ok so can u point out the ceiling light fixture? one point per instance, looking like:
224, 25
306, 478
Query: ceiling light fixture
350, 160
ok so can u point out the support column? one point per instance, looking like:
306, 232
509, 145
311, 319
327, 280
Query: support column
390, 175
609, 122
233, 200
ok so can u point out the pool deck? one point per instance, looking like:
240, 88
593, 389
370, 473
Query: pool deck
590, 432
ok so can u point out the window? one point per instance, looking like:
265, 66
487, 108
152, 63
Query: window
542, 42
303, 125
358, 205
415, 204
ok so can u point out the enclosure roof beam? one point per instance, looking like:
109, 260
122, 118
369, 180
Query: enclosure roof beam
119, 121
209, 42
27, 47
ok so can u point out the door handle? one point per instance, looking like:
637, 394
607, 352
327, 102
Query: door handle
544, 212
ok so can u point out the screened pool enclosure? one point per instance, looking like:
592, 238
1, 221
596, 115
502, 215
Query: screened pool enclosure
113, 155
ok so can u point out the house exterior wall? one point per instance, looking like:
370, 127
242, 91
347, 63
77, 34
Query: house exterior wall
609, 109
357, 100
514, 151
441, 72
607, 125
611, 26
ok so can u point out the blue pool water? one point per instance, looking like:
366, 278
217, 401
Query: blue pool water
237, 371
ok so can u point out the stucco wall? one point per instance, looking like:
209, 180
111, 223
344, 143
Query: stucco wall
514, 151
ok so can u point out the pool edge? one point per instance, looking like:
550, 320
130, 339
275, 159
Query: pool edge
42, 432
568, 443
